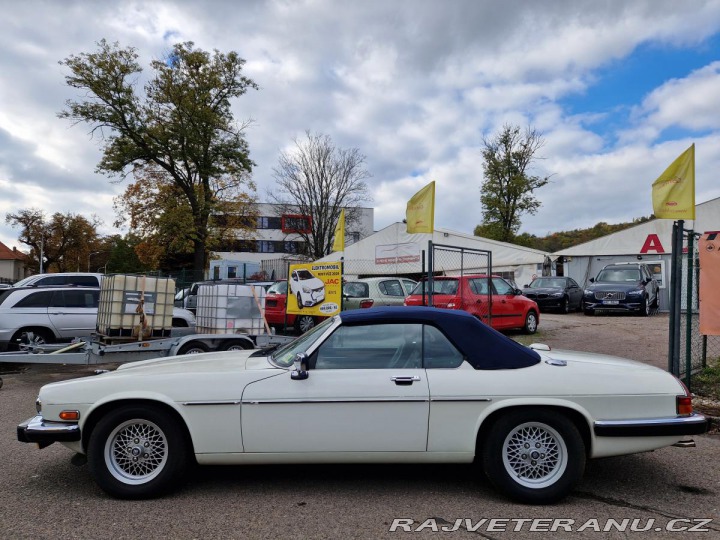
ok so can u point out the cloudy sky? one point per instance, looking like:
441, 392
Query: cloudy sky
618, 89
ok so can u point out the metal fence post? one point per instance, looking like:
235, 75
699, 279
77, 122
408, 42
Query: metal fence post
688, 310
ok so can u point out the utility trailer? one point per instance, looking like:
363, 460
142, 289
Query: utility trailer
94, 352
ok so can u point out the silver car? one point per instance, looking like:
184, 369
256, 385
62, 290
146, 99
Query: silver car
56, 314
376, 291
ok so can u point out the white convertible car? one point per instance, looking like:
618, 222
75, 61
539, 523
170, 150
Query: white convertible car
381, 385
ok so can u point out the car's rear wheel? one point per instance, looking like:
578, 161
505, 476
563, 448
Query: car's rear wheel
136, 452
531, 322
303, 323
534, 456
36, 336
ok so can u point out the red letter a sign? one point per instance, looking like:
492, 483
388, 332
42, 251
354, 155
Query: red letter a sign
652, 243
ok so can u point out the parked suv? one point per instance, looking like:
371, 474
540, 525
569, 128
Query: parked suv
475, 294
622, 287
56, 314
62, 279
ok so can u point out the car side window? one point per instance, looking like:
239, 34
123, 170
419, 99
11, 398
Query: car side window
377, 346
438, 352
501, 286
84, 281
37, 299
573, 283
479, 285
356, 289
51, 280
391, 288
76, 298
409, 286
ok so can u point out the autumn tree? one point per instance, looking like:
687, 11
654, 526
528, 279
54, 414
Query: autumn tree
507, 191
317, 179
161, 220
180, 122
64, 241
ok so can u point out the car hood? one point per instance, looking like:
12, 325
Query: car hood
206, 362
314, 283
543, 290
600, 286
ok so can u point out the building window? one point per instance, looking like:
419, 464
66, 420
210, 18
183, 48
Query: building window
265, 246
355, 236
267, 222
292, 223
232, 271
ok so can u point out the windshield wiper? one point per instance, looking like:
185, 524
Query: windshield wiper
265, 351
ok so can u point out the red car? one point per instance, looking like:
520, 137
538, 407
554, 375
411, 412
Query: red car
275, 310
510, 309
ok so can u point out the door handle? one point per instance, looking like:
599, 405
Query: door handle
404, 381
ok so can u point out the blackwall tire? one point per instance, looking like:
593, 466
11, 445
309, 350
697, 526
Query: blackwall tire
138, 452
531, 322
193, 348
565, 306
303, 323
534, 456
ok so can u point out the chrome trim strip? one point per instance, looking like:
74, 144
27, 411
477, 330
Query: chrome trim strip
460, 398
192, 403
331, 400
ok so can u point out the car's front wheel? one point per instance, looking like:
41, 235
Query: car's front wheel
645, 308
531, 323
299, 301
565, 305
136, 452
534, 456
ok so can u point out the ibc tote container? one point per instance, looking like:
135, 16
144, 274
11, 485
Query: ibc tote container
229, 308
119, 312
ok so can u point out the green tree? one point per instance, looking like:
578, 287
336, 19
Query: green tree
507, 191
181, 122
65, 241
317, 179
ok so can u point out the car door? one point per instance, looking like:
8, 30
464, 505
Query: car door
575, 293
476, 298
391, 293
73, 312
366, 391
507, 307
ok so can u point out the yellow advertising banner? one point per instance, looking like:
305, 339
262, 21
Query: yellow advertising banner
420, 212
315, 289
709, 294
673, 193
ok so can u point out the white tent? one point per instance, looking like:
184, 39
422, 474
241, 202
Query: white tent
392, 251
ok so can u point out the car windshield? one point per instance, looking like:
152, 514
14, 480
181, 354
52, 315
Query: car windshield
279, 287
547, 282
619, 274
304, 274
284, 356
439, 286
24, 282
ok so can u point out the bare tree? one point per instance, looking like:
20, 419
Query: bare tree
317, 179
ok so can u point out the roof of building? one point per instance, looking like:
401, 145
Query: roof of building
7, 254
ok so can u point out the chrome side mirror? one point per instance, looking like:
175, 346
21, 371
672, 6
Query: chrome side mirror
299, 371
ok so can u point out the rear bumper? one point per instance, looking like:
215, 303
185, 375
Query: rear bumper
695, 424
38, 430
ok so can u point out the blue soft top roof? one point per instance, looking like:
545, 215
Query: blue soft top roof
484, 347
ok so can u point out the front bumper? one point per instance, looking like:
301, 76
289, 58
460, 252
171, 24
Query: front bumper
619, 306
37, 430
695, 424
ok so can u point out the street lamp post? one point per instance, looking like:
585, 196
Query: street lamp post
90, 255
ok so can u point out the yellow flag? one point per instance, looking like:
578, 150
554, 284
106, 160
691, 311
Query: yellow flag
673, 193
420, 214
339, 242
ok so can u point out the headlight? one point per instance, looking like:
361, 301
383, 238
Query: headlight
636, 292
38, 405
588, 292
307, 290
557, 294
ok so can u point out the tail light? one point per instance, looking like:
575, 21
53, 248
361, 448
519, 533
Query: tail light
683, 404
368, 302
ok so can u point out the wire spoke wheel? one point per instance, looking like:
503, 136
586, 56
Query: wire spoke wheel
534, 455
136, 451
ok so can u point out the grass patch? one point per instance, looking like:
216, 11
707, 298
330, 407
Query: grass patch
706, 383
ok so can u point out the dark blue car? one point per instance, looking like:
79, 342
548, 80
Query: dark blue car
555, 293
622, 287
